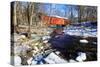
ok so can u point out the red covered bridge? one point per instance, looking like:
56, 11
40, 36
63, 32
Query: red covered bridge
51, 20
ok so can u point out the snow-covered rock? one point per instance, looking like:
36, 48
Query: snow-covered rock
83, 41
53, 59
57, 52
81, 57
72, 61
45, 37
45, 41
17, 60
34, 62
29, 61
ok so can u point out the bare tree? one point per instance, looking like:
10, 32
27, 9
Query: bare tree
29, 14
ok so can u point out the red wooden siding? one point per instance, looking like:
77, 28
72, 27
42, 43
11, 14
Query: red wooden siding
54, 20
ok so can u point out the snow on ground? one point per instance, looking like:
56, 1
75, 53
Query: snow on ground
53, 59
81, 31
